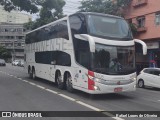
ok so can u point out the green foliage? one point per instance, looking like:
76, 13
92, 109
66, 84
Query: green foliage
105, 6
4, 53
26, 5
51, 10
133, 29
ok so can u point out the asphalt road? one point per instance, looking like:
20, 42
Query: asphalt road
19, 93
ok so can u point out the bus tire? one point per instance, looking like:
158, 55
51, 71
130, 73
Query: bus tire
59, 80
69, 85
141, 83
30, 72
33, 74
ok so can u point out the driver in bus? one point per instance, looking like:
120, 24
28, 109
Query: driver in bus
115, 65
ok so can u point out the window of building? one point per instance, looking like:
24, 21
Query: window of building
158, 18
141, 22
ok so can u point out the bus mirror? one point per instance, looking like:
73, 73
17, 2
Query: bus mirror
79, 36
144, 46
86, 37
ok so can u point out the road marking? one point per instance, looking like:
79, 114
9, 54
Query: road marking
159, 100
89, 106
31, 83
67, 97
49, 90
20, 78
40, 86
117, 118
25, 81
70, 98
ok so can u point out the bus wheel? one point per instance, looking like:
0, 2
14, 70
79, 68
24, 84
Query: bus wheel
59, 81
33, 74
30, 73
69, 85
141, 83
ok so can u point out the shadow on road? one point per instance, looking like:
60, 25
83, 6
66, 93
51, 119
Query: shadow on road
152, 88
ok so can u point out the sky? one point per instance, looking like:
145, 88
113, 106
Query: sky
70, 8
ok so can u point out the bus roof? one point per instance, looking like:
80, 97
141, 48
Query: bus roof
95, 13
85, 13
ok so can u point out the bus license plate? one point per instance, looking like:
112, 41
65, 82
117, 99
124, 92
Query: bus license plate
119, 89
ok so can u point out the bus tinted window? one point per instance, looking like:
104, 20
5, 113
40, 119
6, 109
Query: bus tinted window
78, 24
61, 58
108, 27
58, 30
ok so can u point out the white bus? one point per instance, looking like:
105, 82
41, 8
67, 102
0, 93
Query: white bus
91, 52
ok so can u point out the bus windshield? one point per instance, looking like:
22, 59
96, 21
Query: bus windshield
114, 60
109, 27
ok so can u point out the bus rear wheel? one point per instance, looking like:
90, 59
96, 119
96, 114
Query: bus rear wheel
59, 81
69, 85
30, 73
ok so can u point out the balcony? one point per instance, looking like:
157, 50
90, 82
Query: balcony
142, 29
140, 3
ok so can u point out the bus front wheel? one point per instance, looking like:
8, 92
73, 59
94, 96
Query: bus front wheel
69, 85
33, 74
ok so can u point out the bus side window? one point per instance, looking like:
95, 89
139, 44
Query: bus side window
63, 59
53, 31
63, 30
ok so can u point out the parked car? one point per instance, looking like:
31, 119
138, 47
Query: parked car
21, 63
15, 62
2, 62
149, 77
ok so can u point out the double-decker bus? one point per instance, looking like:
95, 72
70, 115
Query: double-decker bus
91, 52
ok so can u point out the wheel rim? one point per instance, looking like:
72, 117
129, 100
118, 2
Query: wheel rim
33, 74
69, 82
140, 83
59, 79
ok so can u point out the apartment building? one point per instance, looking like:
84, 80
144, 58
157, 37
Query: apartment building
12, 37
12, 32
145, 14
14, 17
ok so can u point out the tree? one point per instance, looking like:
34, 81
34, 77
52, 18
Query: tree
26, 5
4, 53
51, 10
113, 7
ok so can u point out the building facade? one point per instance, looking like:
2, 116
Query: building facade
13, 17
145, 14
12, 37
12, 32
